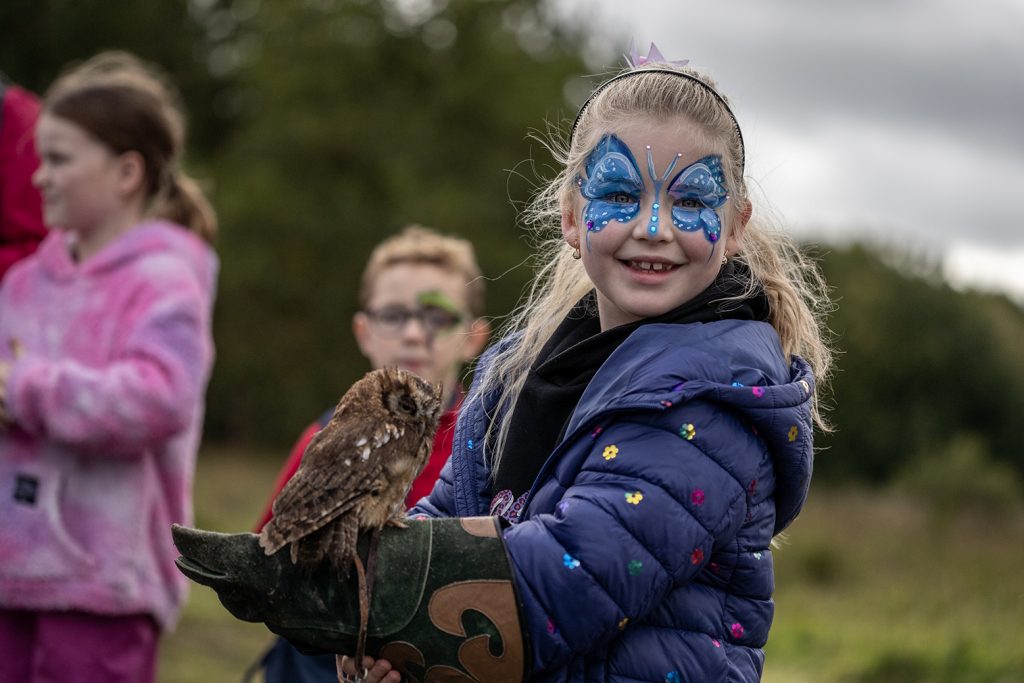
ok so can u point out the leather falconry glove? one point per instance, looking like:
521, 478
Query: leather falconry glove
443, 605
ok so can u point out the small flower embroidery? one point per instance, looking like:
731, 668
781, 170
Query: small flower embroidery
697, 557
758, 391
714, 568
793, 432
610, 452
737, 630
666, 404
697, 497
688, 431
563, 506
757, 555
634, 498
738, 385
672, 677
569, 561
623, 622
716, 642
551, 627
635, 567
752, 489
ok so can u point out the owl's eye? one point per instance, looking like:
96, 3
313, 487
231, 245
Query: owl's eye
407, 405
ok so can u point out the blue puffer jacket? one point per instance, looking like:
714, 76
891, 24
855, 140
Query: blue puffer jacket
643, 552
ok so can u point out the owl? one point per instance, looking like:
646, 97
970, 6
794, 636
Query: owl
357, 470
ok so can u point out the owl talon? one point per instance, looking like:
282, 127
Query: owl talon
397, 521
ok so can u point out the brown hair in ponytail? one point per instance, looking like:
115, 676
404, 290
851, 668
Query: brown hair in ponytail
130, 105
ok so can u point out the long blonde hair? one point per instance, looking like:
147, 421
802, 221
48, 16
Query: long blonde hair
130, 105
796, 291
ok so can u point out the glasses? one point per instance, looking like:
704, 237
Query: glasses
433, 319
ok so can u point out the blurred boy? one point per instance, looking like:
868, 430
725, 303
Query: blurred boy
421, 305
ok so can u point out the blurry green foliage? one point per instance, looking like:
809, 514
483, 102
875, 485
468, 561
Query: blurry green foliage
921, 366
38, 38
961, 478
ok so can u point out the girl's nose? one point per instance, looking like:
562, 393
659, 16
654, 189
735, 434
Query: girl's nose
653, 224
38, 177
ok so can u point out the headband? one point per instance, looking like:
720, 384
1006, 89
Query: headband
599, 89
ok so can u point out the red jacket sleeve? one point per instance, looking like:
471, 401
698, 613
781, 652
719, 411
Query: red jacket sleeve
21, 209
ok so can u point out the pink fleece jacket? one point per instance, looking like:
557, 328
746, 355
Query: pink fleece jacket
108, 400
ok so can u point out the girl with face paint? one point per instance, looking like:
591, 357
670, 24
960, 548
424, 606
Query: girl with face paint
647, 420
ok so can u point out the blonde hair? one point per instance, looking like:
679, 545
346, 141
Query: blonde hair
131, 106
794, 286
422, 246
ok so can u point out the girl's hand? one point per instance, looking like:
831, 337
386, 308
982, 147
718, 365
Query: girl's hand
6, 420
377, 671
5, 374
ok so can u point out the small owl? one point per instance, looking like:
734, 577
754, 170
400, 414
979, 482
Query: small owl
357, 470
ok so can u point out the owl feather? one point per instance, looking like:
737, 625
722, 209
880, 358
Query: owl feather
357, 470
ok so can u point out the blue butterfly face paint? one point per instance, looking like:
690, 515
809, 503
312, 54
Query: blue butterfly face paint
614, 186
696, 192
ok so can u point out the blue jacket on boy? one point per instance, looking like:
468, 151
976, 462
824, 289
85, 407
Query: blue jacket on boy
643, 552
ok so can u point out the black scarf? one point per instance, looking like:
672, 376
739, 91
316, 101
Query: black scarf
572, 356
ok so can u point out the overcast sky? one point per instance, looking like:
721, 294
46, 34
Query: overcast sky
894, 120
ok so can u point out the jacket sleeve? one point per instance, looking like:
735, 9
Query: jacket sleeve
643, 514
148, 392
441, 500
21, 219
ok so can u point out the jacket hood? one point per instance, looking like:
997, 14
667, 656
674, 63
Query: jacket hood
732, 362
146, 238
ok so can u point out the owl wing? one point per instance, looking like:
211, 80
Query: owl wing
332, 477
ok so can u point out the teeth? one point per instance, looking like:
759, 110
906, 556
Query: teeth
646, 265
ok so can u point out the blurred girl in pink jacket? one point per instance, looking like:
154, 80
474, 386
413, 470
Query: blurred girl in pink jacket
105, 352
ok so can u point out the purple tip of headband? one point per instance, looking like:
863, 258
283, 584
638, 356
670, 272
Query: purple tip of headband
654, 56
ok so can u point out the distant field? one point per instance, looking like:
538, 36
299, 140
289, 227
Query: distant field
870, 588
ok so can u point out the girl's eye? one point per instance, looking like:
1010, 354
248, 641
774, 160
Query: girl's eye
619, 198
688, 204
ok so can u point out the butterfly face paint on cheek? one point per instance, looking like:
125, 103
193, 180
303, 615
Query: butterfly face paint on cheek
612, 187
696, 193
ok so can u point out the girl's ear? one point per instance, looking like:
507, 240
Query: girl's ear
570, 228
131, 172
734, 242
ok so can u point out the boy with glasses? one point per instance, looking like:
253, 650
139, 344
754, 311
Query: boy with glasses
421, 303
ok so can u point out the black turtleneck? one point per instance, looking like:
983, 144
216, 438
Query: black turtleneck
572, 356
